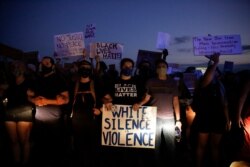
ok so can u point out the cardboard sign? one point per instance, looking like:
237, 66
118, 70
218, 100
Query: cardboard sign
223, 44
70, 44
106, 50
123, 127
148, 55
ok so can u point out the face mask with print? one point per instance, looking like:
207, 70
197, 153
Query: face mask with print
126, 71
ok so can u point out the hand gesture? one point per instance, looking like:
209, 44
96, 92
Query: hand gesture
136, 107
96, 111
214, 57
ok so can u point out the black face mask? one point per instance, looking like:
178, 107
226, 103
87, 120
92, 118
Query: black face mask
126, 71
84, 72
46, 70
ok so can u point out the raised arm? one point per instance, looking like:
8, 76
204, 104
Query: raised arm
210, 72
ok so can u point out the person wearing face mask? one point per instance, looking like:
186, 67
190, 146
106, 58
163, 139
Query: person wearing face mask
49, 94
164, 94
144, 71
85, 118
135, 94
19, 114
124, 91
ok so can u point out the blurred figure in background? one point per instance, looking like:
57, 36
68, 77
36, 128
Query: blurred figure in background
243, 121
144, 72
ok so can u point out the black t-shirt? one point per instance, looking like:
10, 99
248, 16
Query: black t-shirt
17, 94
126, 92
49, 87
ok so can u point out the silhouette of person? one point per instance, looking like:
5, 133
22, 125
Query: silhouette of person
212, 117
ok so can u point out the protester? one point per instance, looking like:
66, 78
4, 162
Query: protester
19, 114
85, 118
134, 95
164, 95
242, 155
49, 93
144, 72
212, 117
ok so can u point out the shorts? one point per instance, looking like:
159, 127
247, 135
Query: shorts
20, 113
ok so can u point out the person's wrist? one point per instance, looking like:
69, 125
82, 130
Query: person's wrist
178, 120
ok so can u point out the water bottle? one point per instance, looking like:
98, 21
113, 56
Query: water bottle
177, 134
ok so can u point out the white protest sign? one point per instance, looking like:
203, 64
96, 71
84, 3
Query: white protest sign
163, 40
223, 44
70, 44
123, 127
106, 50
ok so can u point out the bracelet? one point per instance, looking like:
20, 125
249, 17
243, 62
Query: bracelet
178, 120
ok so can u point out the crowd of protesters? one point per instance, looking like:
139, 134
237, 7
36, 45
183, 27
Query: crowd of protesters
52, 116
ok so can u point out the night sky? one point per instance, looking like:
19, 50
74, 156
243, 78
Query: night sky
30, 25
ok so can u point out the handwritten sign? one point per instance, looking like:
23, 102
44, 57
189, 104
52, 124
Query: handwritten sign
223, 44
123, 127
90, 31
70, 44
106, 50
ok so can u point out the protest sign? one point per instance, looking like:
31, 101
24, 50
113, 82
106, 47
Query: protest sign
147, 55
70, 44
163, 40
223, 44
90, 31
123, 127
106, 50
